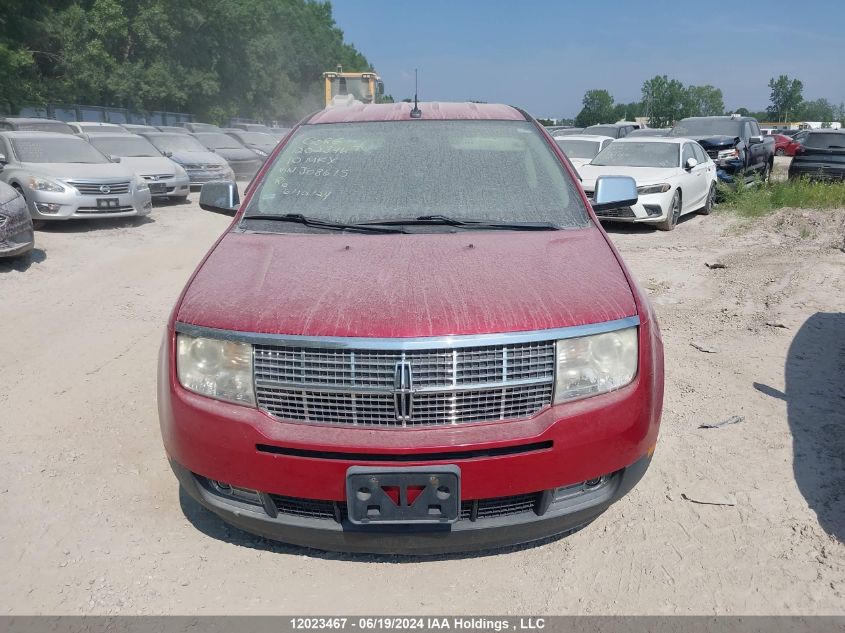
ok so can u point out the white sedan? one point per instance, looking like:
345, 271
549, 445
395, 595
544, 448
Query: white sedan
674, 176
580, 149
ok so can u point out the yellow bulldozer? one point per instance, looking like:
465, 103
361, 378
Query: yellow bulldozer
344, 87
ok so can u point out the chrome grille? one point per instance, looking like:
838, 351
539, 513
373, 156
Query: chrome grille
156, 177
91, 188
448, 386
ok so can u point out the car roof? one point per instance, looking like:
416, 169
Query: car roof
116, 137
610, 125
34, 134
677, 140
24, 119
584, 137
431, 110
93, 123
825, 130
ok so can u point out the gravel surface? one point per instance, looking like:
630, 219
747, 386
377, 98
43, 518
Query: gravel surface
746, 518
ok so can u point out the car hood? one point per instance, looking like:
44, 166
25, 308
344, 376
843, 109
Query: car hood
237, 154
149, 164
643, 175
87, 171
715, 142
198, 158
407, 285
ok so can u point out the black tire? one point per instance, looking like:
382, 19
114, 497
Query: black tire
709, 202
674, 214
179, 199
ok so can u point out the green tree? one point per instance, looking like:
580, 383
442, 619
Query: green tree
817, 110
598, 108
786, 96
704, 101
664, 100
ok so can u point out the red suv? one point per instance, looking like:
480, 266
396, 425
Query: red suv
415, 337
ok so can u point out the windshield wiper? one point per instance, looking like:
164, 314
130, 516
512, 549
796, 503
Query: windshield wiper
445, 220
305, 220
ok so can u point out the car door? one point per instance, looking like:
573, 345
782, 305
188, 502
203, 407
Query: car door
694, 181
708, 166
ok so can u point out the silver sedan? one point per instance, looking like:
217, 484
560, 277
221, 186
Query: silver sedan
16, 236
63, 177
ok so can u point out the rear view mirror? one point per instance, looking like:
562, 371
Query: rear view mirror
220, 196
691, 162
614, 192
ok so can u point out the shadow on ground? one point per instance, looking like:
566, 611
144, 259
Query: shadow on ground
637, 228
88, 226
211, 525
815, 398
22, 263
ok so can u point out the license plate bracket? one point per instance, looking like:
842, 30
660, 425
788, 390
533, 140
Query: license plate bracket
108, 203
403, 495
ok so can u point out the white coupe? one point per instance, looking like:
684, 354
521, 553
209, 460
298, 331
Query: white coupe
674, 176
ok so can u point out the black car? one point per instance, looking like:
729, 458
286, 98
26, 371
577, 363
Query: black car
820, 157
16, 236
241, 159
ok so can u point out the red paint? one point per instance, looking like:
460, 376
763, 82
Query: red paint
785, 143
410, 286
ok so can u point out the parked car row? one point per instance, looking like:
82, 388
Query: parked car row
242, 148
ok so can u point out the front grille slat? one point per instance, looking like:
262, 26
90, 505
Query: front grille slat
91, 188
450, 386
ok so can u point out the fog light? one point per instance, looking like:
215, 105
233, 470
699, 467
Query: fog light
236, 492
47, 207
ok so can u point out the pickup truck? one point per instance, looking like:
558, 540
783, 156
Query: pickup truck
735, 143
380, 358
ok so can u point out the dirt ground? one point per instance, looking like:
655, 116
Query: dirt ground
93, 523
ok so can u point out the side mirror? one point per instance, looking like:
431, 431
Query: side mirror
614, 192
3, 160
754, 140
691, 162
220, 196
114, 159
167, 154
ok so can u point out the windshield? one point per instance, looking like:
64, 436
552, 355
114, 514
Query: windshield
825, 140
579, 149
500, 171
218, 140
625, 154
257, 138
56, 150
605, 130
176, 143
127, 147
707, 127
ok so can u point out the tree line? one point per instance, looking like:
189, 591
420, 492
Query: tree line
665, 101
260, 59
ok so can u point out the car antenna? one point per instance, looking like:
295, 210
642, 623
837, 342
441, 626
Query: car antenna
416, 113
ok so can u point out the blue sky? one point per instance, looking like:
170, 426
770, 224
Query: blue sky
543, 55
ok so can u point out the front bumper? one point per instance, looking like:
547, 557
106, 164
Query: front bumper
73, 205
650, 209
300, 522
178, 186
16, 234
198, 177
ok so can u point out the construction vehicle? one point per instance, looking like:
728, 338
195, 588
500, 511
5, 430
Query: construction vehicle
344, 87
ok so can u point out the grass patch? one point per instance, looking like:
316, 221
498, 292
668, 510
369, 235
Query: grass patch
760, 199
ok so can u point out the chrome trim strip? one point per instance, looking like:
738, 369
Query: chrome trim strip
407, 344
387, 391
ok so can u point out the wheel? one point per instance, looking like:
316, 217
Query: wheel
671, 220
711, 200
780, 152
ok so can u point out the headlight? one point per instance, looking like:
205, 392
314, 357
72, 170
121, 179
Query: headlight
43, 184
215, 368
728, 153
141, 185
590, 365
661, 188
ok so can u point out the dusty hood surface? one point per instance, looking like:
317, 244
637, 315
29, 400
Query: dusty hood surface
86, 171
643, 175
198, 158
149, 165
408, 285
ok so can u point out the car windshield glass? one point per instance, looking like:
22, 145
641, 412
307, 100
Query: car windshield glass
176, 143
638, 155
825, 140
56, 150
218, 140
578, 149
707, 127
491, 171
607, 130
257, 138
128, 147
